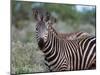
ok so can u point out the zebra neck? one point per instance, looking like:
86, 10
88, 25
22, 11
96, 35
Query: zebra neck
50, 50
52, 30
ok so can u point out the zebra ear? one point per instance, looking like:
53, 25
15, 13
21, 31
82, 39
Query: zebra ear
36, 14
52, 21
46, 17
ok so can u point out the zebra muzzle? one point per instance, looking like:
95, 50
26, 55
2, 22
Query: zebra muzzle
41, 43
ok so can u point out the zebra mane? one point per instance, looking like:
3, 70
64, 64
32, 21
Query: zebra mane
50, 28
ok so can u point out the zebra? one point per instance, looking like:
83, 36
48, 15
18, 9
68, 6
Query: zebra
61, 53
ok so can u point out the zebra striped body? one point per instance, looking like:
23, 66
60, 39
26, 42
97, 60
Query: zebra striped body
73, 51
62, 54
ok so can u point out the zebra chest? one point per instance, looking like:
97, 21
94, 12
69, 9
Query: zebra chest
60, 64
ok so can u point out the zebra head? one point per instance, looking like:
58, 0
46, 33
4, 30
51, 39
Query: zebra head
43, 19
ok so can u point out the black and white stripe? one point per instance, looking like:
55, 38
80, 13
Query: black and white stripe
63, 53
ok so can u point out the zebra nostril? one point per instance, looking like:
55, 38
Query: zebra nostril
41, 43
36, 28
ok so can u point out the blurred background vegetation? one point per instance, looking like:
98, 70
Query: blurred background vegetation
25, 55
